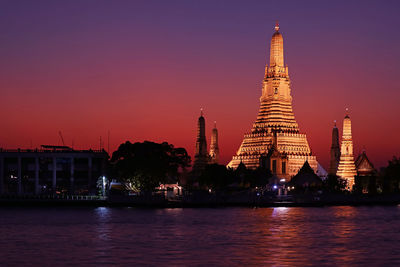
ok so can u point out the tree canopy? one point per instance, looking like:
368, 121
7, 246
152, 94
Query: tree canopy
215, 176
146, 165
391, 176
335, 184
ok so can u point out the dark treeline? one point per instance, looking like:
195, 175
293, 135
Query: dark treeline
142, 166
219, 178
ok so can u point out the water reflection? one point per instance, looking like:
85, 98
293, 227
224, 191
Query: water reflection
229, 236
279, 211
281, 240
103, 212
103, 229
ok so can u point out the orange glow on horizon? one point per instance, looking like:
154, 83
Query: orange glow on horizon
142, 71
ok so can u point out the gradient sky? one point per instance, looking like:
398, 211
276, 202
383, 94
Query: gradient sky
143, 69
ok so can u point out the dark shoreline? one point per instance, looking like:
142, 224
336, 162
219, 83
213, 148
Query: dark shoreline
387, 200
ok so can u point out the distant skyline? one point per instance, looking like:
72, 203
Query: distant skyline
143, 69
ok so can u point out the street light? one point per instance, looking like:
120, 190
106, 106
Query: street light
104, 185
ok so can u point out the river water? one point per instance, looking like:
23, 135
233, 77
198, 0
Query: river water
339, 236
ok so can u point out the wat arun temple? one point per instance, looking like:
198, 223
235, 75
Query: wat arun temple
275, 141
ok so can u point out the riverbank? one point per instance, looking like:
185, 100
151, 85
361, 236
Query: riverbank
210, 201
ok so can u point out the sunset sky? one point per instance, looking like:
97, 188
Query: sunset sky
143, 69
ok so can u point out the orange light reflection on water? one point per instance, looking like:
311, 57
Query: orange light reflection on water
298, 236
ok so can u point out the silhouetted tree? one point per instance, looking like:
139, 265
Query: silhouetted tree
334, 183
391, 176
216, 177
258, 177
365, 183
372, 185
249, 178
146, 165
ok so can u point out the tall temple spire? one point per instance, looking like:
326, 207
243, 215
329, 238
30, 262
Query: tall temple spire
335, 151
201, 157
276, 127
214, 149
346, 167
276, 52
201, 142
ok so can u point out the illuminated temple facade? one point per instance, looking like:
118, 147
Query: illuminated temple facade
275, 141
347, 168
214, 149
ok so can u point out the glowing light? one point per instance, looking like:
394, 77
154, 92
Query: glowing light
104, 185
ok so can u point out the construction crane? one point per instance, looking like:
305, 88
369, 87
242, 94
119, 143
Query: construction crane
62, 139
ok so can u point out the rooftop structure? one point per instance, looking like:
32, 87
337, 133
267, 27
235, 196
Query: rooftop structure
364, 166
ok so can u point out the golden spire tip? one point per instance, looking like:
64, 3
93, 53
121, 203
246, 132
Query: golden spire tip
277, 26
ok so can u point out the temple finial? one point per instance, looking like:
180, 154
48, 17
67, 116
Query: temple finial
347, 112
277, 26
201, 112
215, 124
334, 123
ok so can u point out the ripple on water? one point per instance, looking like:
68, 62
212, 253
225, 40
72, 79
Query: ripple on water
226, 236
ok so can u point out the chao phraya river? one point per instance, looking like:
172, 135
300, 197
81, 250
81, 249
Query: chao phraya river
340, 236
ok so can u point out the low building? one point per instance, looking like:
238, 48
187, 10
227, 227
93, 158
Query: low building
364, 166
51, 170
171, 190
366, 181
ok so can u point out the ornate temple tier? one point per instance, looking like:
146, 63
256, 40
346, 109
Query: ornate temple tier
275, 139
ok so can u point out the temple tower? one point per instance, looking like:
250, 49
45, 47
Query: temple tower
335, 151
275, 118
346, 167
201, 158
214, 150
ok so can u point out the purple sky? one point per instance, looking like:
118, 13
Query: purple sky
143, 69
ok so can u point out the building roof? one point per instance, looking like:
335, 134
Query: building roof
305, 177
363, 165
